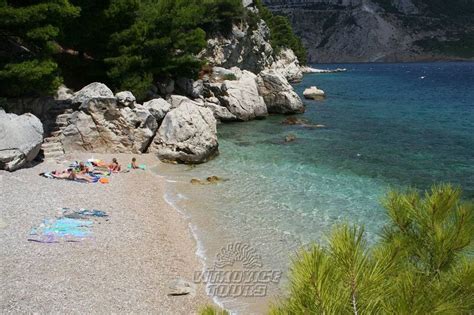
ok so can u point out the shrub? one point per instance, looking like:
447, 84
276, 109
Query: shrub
420, 265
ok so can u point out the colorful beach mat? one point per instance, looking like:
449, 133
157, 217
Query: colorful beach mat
71, 226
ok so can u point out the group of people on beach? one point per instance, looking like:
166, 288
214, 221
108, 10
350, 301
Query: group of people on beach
92, 170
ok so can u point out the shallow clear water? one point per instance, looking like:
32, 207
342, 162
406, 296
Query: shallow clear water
387, 126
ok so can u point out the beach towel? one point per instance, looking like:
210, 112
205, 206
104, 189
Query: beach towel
71, 226
141, 166
50, 175
61, 229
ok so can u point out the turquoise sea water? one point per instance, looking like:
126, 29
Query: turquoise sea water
387, 126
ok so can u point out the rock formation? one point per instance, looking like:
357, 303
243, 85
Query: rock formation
287, 64
94, 90
246, 81
314, 93
106, 123
246, 48
241, 97
187, 135
158, 107
100, 126
278, 93
20, 140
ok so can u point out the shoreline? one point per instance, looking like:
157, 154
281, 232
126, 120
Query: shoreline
130, 262
193, 229
200, 251
203, 219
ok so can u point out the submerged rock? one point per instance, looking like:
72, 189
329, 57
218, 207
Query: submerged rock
301, 122
187, 135
314, 93
209, 180
290, 138
20, 140
295, 121
213, 179
278, 94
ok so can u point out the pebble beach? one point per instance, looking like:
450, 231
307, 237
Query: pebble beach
126, 265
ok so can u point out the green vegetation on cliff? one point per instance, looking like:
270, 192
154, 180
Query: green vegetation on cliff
128, 44
29, 32
281, 32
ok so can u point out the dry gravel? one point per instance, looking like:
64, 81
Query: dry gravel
125, 268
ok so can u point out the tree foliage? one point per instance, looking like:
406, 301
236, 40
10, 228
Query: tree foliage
128, 44
420, 266
29, 30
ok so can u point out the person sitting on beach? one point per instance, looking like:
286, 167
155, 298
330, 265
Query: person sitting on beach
115, 166
134, 164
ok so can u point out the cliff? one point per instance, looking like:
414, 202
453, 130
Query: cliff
381, 30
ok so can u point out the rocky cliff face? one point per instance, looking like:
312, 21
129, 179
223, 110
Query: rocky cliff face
381, 30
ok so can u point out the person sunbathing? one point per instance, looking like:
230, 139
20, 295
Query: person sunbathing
67, 174
83, 169
115, 166
71, 175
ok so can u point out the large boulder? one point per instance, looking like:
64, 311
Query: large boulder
20, 140
241, 97
94, 90
101, 126
313, 93
278, 93
158, 107
287, 64
187, 135
145, 126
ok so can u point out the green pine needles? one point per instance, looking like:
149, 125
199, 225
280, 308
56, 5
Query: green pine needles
29, 33
421, 265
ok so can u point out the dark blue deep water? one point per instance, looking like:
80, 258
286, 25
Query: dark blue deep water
412, 124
